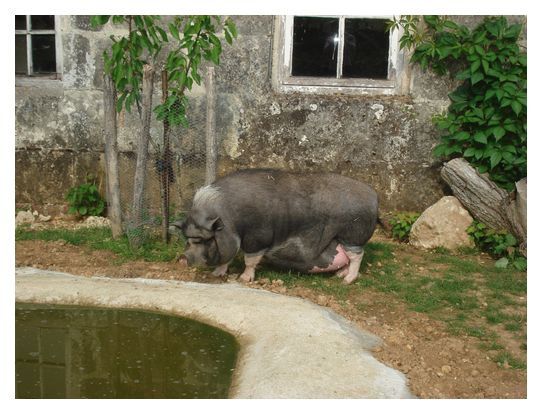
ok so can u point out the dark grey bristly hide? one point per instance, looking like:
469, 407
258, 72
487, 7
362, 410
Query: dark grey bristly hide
296, 220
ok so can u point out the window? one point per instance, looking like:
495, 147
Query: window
36, 45
327, 53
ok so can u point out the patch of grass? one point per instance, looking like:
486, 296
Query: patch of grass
504, 280
505, 357
457, 265
100, 238
491, 345
468, 251
441, 250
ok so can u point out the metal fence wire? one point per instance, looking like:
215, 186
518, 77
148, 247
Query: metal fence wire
174, 171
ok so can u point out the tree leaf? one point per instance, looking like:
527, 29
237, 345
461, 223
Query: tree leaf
480, 137
499, 132
476, 77
516, 107
496, 157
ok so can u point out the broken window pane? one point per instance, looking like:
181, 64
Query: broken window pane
315, 46
42, 22
366, 49
43, 53
20, 22
20, 54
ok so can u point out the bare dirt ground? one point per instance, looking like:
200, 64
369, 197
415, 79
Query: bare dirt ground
436, 363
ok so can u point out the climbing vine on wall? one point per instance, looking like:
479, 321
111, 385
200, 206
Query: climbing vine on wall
486, 122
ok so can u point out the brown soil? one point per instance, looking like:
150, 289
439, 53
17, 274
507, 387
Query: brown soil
437, 364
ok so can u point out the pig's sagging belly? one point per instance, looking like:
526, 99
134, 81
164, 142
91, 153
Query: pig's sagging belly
339, 261
294, 254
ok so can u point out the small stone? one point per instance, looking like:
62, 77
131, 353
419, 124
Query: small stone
279, 282
446, 369
44, 218
24, 217
475, 372
264, 281
409, 347
321, 300
379, 264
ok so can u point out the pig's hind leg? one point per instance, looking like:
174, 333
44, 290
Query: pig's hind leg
351, 272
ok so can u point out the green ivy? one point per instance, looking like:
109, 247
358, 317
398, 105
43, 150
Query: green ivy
85, 200
401, 224
499, 244
486, 122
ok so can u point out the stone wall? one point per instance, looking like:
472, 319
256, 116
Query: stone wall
384, 140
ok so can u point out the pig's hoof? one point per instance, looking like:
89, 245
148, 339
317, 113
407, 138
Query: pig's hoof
342, 272
348, 280
247, 277
220, 272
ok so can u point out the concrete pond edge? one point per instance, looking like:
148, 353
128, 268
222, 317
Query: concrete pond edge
289, 347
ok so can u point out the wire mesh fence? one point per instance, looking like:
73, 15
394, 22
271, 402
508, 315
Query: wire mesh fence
180, 160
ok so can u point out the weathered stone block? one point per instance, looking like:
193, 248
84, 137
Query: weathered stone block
443, 224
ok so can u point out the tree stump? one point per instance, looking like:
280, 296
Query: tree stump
487, 202
481, 197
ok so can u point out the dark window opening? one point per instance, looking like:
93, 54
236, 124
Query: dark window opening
42, 22
366, 46
20, 54
35, 45
43, 53
315, 46
340, 47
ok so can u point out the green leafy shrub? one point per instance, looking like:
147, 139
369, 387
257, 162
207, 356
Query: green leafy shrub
85, 200
401, 223
498, 243
486, 122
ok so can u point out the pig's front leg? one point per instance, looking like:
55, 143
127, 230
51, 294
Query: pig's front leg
221, 270
251, 261
353, 267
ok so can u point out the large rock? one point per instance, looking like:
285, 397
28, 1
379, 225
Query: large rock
443, 224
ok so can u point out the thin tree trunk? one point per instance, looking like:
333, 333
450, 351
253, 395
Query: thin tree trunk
111, 157
166, 167
143, 147
210, 128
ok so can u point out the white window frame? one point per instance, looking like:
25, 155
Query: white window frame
28, 32
283, 81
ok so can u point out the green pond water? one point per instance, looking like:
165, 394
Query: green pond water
84, 352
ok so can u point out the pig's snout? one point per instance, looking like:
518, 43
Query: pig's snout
183, 260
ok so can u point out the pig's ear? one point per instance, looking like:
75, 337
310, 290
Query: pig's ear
178, 225
217, 224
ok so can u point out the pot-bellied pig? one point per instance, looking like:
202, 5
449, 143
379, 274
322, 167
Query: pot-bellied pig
315, 222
